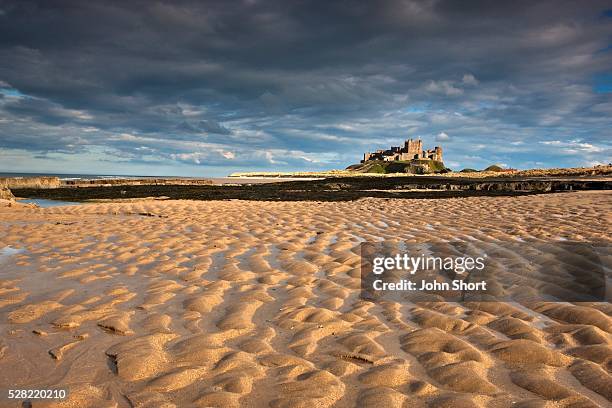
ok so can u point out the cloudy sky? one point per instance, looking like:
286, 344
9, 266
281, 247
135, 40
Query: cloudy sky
210, 87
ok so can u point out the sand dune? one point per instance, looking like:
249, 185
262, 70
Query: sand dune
239, 303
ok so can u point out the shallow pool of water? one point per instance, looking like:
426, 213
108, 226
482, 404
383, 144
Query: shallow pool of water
9, 251
41, 202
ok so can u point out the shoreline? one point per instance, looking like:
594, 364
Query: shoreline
603, 170
328, 189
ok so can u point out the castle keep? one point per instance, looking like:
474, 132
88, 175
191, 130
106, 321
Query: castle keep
412, 150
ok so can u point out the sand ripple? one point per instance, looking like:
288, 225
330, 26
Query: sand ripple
238, 303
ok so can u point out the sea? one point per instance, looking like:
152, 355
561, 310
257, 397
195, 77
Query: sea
215, 180
66, 176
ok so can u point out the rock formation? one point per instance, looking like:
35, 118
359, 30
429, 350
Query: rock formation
30, 182
6, 194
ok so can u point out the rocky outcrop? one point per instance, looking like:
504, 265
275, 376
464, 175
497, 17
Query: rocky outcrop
146, 181
5, 194
30, 182
332, 189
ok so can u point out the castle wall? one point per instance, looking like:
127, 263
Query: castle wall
412, 150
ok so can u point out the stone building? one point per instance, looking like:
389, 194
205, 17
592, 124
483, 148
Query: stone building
412, 150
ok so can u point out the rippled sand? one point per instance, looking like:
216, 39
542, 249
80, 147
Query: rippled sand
238, 303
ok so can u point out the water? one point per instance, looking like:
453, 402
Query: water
63, 176
41, 202
215, 180
8, 251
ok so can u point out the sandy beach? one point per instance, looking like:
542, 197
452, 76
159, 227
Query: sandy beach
181, 303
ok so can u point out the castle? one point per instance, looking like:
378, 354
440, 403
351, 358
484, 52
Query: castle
412, 150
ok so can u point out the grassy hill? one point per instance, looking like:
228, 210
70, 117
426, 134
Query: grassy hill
390, 167
494, 167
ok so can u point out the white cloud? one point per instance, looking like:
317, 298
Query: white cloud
594, 163
443, 87
442, 136
191, 157
126, 137
228, 155
79, 114
470, 79
270, 157
574, 146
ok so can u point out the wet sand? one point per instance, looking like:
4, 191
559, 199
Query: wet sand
250, 303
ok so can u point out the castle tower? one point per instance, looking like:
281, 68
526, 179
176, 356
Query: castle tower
414, 148
438, 155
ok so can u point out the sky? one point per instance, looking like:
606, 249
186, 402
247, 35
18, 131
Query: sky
207, 88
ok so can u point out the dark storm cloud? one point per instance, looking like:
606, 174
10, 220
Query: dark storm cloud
306, 84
